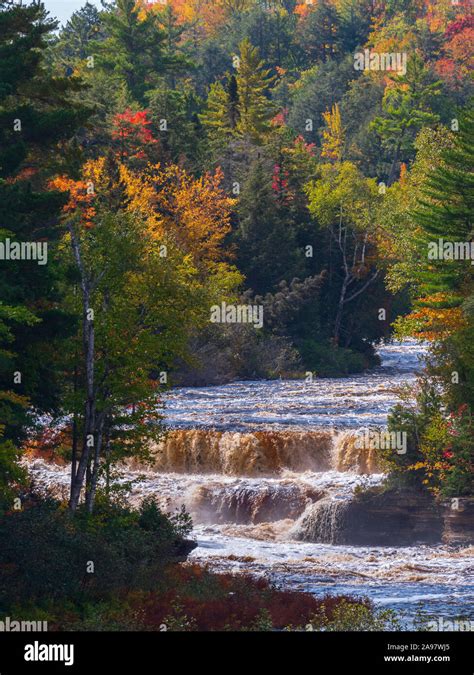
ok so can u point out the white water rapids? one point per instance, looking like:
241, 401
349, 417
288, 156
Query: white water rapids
249, 458
348, 402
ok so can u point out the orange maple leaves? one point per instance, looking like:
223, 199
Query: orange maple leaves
81, 197
435, 322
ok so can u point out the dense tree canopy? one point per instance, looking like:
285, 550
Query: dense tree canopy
177, 155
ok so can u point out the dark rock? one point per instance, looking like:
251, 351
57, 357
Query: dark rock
393, 518
183, 548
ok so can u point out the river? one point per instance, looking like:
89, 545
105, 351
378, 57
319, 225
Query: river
249, 459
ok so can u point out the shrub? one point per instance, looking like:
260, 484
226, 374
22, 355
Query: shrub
329, 361
348, 615
193, 598
48, 555
440, 446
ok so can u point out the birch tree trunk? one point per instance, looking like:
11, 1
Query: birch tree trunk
88, 337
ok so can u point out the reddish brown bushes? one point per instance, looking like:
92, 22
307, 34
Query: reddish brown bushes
204, 601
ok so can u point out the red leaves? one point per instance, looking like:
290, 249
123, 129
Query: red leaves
457, 60
301, 145
280, 182
459, 25
133, 133
280, 118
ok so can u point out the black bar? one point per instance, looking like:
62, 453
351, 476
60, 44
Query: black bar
313, 652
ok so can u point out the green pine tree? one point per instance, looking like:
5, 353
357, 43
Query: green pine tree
268, 251
37, 119
446, 212
221, 115
253, 85
137, 51
83, 28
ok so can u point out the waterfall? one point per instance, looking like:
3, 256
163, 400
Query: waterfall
257, 453
351, 456
321, 522
251, 502
260, 453
267, 468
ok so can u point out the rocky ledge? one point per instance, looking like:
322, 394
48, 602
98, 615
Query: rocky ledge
388, 517
392, 517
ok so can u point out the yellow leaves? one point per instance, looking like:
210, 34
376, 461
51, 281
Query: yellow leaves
333, 135
142, 197
192, 214
390, 37
417, 466
434, 324
209, 15
436, 298
95, 174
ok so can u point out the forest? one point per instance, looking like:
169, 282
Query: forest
198, 192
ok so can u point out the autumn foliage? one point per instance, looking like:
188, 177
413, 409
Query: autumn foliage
190, 213
217, 602
131, 130
193, 213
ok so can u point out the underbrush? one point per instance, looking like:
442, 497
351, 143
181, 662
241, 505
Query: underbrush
189, 597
